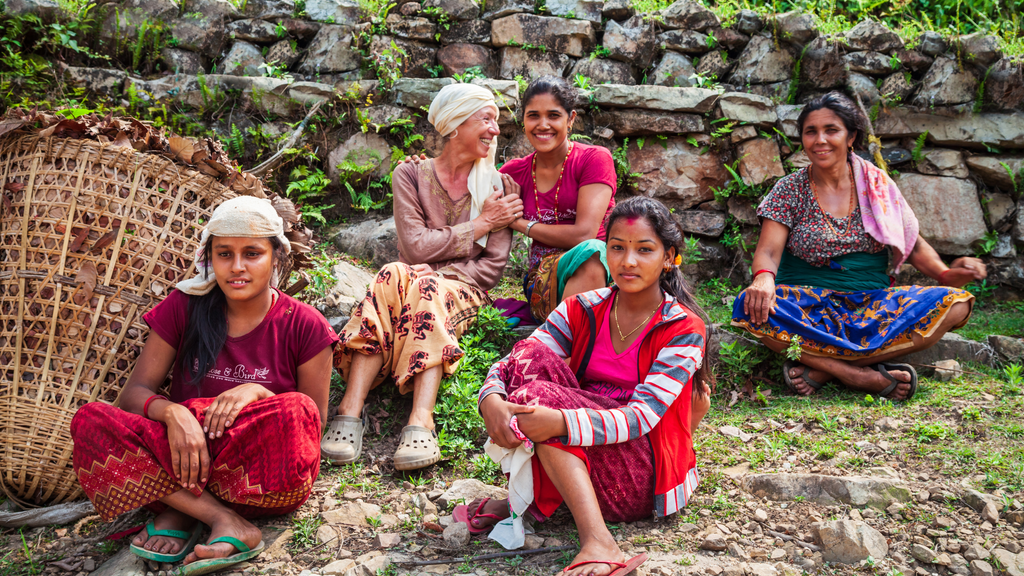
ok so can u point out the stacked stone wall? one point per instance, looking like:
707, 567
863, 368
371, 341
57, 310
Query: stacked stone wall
681, 97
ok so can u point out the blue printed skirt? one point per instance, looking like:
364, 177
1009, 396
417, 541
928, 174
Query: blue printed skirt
853, 324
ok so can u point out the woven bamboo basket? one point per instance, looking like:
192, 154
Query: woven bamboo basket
97, 235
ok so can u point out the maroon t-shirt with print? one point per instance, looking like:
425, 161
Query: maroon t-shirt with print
291, 334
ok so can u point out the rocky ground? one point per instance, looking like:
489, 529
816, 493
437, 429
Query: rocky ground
837, 484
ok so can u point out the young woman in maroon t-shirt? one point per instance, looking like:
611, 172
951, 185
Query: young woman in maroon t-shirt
239, 436
568, 190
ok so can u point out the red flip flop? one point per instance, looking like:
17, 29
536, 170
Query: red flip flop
620, 570
461, 514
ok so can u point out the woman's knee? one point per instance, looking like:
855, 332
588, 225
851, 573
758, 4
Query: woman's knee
592, 269
97, 414
293, 411
957, 313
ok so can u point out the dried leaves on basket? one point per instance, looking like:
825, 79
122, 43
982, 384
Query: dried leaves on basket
204, 155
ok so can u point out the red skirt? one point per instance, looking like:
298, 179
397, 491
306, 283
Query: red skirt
264, 464
622, 474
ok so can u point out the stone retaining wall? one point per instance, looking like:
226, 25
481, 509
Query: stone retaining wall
677, 93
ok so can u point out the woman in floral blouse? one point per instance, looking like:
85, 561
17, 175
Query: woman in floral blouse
830, 235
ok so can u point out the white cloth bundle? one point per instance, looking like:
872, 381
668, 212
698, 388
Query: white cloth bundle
518, 464
450, 108
241, 217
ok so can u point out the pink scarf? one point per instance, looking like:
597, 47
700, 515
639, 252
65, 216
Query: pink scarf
886, 215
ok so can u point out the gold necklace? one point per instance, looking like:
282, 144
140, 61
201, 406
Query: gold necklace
558, 183
618, 327
824, 215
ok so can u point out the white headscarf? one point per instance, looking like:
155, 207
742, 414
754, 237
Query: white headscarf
241, 217
450, 108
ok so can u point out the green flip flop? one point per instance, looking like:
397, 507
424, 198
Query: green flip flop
213, 564
190, 539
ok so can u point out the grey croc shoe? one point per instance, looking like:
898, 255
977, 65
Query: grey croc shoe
343, 442
417, 448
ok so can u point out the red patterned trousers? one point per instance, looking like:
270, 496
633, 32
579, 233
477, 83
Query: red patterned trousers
264, 464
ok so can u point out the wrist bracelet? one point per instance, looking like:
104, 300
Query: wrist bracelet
942, 276
145, 407
528, 226
765, 270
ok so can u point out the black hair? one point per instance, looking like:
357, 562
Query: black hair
848, 111
557, 87
672, 280
207, 328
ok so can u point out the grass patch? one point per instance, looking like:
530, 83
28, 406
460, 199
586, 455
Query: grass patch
1003, 318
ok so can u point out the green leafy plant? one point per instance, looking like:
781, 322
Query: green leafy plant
737, 360
795, 349
917, 152
482, 344
304, 531
236, 143
986, 244
387, 65
470, 74
709, 81
623, 170
895, 62
691, 250
981, 290
582, 82
600, 52
306, 186
1016, 178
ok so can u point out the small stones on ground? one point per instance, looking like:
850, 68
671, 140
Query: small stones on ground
981, 568
760, 516
338, 567
714, 542
533, 542
456, 535
922, 553
947, 370
89, 565
387, 540
990, 513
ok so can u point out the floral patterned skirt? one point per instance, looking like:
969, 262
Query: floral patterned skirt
850, 325
415, 324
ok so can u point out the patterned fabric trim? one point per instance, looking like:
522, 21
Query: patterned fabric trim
673, 501
114, 491
453, 209
232, 485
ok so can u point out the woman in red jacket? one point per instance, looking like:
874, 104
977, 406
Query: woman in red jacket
610, 389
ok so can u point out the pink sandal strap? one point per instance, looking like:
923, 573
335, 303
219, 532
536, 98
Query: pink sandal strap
608, 562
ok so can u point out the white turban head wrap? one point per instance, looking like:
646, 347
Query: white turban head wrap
450, 108
241, 217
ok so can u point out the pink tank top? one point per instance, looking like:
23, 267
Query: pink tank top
608, 373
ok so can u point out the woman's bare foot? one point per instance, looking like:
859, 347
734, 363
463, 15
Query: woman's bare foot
871, 380
228, 524
497, 507
169, 519
596, 554
803, 388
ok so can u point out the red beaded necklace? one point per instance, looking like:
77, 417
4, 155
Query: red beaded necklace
558, 183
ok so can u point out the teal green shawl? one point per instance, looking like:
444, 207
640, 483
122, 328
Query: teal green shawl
852, 272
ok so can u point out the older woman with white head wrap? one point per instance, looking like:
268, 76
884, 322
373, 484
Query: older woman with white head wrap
451, 216
237, 438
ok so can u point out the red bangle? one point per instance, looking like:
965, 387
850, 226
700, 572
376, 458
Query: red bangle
145, 407
765, 270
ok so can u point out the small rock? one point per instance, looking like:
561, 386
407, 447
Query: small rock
387, 540
326, 534
532, 542
922, 496
981, 568
976, 552
468, 490
89, 565
456, 535
990, 513
737, 551
760, 516
947, 370
714, 542
338, 567
922, 553
888, 423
